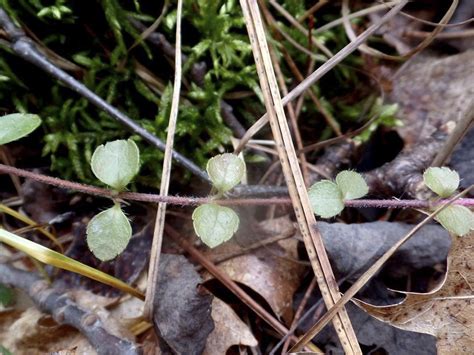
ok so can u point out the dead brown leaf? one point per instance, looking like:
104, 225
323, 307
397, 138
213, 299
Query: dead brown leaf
447, 312
32, 332
228, 330
273, 271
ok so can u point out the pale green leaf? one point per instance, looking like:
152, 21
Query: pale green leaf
108, 233
215, 224
116, 163
351, 184
226, 171
16, 126
326, 199
443, 181
457, 219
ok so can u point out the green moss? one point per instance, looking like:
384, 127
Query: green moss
95, 38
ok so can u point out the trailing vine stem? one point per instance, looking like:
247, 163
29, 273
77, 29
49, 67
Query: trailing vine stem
195, 201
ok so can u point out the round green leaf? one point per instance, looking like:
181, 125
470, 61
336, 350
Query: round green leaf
116, 163
352, 185
108, 233
326, 199
458, 220
215, 224
226, 171
443, 181
16, 126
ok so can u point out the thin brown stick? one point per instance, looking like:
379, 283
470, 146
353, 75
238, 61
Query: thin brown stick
294, 43
300, 310
326, 318
5, 157
300, 27
300, 101
298, 193
196, 201
294, 69
321, 71
153, 26
443, 35
331, 121
291, 113
152, 282
386, 6
312, 10
360, 13
228, 282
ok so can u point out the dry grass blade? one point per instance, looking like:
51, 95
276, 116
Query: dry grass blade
321, 71
293, 119
296, 72
360, 13
374, 52
326, 318
58, 260
31, 223
293, 175
153, 26
152, 281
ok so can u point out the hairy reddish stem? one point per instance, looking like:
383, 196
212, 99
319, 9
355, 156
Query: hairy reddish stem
194, 201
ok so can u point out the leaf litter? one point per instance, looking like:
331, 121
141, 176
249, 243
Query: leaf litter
447, 312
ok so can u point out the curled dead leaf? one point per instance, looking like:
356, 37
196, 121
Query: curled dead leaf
447, 312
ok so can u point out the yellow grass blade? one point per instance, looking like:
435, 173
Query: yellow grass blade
58, 260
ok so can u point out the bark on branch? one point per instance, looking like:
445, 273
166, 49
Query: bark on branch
65, 311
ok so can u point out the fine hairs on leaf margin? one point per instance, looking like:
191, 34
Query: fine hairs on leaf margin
212, 223
327, 197
115, 164
444, 182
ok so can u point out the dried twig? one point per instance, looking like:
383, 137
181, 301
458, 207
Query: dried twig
444, 35
299, 196
65, 311
297, 73
300, 310
292, 114
312, 10
300, 27
152, 283
196, 201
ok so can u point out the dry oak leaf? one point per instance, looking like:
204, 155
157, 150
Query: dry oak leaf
228, 330
447, 312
